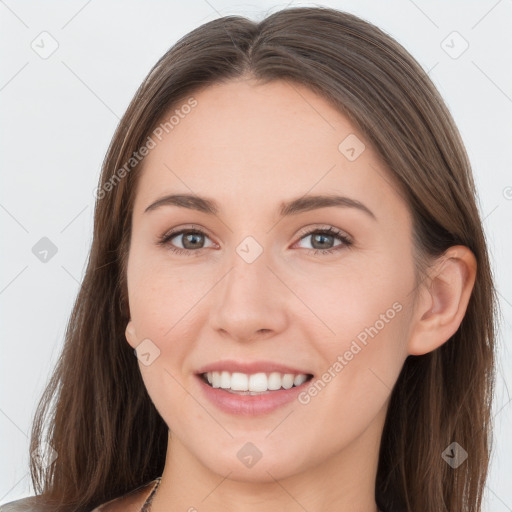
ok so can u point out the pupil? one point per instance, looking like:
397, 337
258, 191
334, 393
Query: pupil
321, 236
186, 240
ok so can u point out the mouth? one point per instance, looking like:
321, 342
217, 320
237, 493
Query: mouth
247, 390
254, 384
251, 388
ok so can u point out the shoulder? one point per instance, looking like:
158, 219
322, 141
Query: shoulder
24, 505
131, 502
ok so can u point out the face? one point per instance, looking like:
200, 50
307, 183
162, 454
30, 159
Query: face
265, 287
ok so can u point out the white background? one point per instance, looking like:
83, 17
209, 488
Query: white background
59, 114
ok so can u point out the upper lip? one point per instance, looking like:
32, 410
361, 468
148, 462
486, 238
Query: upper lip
250, 367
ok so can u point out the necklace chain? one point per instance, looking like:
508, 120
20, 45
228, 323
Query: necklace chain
147, 504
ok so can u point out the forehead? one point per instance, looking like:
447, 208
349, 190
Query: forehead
252, 143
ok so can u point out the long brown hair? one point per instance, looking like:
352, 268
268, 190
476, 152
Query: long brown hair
101, 422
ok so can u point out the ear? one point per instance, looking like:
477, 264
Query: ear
130, 334
443, 300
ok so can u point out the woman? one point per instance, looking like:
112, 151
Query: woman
352, 373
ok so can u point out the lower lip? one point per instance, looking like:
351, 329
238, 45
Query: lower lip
250, 405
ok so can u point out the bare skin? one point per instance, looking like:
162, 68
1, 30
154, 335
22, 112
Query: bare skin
250, 147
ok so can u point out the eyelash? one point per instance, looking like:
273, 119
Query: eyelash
346, 242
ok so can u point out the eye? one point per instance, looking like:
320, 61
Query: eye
192, 240
322, 240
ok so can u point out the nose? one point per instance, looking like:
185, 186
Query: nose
250, 301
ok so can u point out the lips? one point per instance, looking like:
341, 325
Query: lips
251, 367
251, 388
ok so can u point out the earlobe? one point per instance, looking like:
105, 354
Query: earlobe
443, 301
130, 334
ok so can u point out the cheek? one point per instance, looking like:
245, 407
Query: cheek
367, 313
161, 300
164, 309
361, 296
159, 296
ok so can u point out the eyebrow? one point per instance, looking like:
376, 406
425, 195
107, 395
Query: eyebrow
293, 207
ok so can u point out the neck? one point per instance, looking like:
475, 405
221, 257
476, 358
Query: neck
344, 482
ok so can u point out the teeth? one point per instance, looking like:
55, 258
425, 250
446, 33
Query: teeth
225, 380
257, 382
288, 380
299, 379
239, 382
274, 381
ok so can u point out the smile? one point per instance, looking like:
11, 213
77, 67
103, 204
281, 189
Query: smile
251, 388
253, 384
